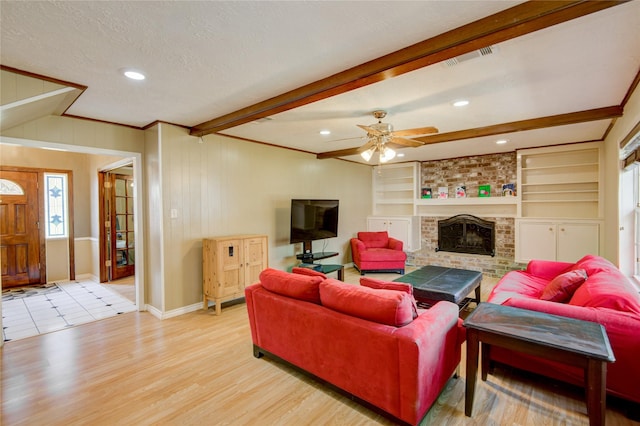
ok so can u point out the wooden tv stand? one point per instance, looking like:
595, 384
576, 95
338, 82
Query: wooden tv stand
310, 257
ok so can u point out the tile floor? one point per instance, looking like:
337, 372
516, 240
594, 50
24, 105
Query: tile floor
78, 302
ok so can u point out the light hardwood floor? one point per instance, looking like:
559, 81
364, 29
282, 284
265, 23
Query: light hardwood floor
125, 287
198, 369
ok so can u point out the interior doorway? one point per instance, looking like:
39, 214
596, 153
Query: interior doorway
90, 243
117, 218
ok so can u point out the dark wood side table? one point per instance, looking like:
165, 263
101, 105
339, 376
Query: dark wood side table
574, 342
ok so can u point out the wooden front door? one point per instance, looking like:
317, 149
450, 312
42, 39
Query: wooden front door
19, 230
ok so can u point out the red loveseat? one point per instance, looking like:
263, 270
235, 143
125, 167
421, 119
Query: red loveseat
592, 289
368, 343
377, 252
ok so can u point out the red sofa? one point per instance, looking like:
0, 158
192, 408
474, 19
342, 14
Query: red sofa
377, 252
592, 289
368, 343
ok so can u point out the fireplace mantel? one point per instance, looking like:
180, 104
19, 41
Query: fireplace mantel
479, 206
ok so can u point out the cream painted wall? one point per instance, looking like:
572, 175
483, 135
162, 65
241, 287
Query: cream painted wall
225, 186
80, 133
15, 87
87, 258
57, 259
612, 187
153, 225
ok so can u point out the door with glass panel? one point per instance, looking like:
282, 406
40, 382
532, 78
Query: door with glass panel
122, 236
20, 236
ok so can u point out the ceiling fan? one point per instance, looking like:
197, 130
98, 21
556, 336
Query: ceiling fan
380, 138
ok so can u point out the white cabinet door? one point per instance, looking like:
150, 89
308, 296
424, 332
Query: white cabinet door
399, 229
403, 228
536, 240
377, 224
559, 241
576, 240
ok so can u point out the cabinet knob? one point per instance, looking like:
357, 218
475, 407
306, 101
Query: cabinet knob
551, 229
562, 229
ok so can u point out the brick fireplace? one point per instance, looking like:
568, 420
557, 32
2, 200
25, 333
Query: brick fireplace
465, 233
473, 171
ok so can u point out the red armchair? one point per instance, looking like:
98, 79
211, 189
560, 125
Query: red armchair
377, 252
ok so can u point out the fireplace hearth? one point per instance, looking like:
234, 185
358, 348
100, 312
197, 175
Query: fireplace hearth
466, 233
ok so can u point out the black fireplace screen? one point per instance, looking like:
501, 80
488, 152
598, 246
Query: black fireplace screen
465, 233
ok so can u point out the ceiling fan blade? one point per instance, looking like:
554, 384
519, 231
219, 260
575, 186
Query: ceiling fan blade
338, 153
416, 131
370, 130
406, 142
347, 139
345, 152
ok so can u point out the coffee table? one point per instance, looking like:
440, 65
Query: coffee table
567, 340
432, 284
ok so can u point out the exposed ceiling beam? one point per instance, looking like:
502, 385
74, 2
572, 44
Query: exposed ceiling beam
530, 124
508, 24
497, 129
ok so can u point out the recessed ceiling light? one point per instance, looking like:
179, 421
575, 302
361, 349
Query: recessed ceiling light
461, 103
134, 75
325, 132
400, 154
501, 141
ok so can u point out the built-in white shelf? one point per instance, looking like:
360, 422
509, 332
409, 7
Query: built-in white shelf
467, 201
478, 206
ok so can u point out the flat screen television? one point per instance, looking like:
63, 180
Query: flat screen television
313, 220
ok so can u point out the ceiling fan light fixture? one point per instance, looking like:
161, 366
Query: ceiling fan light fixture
384, 128
387, 154
366, 155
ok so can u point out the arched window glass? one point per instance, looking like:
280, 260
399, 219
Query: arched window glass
9, 187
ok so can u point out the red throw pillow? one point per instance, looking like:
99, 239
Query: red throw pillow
307, 271
388, 285
390, 307
297, 286
561, 288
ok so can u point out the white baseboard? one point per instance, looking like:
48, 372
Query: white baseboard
89, 277
174, 312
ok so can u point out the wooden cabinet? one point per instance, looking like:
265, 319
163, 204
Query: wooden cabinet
556, 240
395, 189
229, 264
403, 228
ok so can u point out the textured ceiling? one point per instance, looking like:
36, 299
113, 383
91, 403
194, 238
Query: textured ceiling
207, 59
